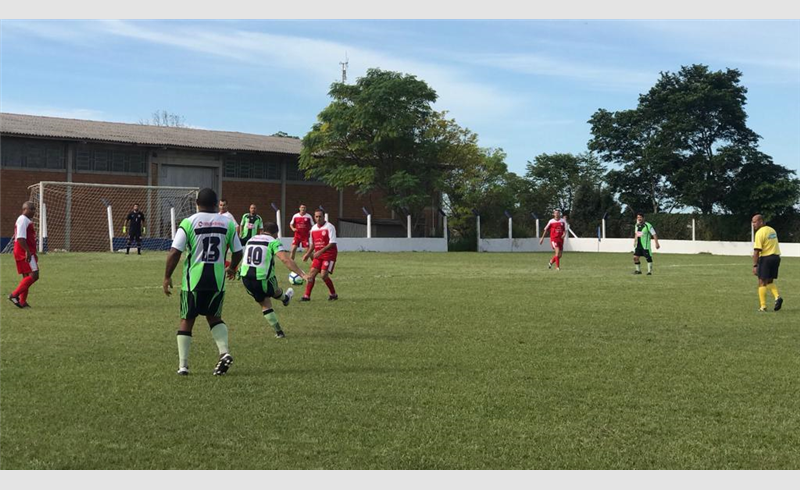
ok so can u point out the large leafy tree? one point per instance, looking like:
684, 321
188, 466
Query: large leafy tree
629, 139
701, 122
379, 134
553, 180
761, 186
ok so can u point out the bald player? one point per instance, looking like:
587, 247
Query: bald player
766, 262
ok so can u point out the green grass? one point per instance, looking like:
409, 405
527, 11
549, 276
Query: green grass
428, 361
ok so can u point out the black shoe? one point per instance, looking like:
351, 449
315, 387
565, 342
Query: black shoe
649, 273
778, 303
280, 335
15, 300
26, 305
637, 272
305, 298
225, 361
183, 372
333, 297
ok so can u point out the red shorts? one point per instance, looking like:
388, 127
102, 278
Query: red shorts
557, 243
324, 264
25, 267
301, 241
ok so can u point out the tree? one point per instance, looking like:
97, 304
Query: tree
701, 123
761, 186
481, 182
553, 180
164, 119
630, 139
378, 134
281, 134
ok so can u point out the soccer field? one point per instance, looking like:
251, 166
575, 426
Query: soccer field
428, 361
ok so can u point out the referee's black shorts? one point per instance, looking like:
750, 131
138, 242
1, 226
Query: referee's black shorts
768, 267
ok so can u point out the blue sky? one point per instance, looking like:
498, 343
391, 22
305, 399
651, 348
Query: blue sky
525, 86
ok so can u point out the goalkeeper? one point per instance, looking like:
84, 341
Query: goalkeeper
134, 227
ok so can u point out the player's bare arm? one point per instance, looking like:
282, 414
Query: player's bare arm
291, 264
323, 250
235, 259
24, 244
544, 233
756, 255
173, 258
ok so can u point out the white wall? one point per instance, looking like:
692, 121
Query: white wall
625, 245
385, 244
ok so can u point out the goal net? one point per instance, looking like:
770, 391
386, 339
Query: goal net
76, 217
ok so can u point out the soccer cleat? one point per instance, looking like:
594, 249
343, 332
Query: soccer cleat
305, 298
280, 335
15, 300
184, 371
762, 310
549, 265
333, 297
26, 305
288, 297
637, 272
649, 273
778, 303
558, 268
225, 361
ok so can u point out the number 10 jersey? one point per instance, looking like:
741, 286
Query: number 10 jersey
206, 237
259, 257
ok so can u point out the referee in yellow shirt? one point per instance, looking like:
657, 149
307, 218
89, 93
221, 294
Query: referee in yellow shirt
766, 261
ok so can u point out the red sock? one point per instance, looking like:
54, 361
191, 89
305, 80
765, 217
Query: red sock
23, 286
227, 263
329, 283
309, 287
23, 297
553, 259
558, 261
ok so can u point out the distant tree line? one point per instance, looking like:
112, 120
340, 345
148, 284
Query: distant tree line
685, 146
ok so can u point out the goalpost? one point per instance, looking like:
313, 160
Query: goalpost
77, 217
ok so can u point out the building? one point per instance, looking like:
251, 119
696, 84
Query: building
243, 168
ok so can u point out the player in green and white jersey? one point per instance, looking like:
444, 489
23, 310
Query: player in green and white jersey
206, 236
258, 273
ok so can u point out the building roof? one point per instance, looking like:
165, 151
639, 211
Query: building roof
140, 134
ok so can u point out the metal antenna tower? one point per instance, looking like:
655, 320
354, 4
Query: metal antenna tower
344, 67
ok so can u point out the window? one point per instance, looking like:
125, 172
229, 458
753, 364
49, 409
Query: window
90, 158
252, 167
22, 153
293, 173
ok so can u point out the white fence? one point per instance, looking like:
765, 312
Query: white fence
625, 245
385, 244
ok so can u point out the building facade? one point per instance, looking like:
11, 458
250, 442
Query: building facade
243, 168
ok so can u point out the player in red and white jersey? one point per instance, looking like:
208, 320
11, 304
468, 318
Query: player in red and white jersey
301, 224
324, 252
25, 255
558, 230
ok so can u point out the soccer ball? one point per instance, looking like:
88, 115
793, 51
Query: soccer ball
295, 279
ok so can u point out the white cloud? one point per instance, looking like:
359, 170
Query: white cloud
314, 62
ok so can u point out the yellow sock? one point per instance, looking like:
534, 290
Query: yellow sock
773, 289
762, 296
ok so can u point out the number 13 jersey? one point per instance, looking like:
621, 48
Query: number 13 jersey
206, 237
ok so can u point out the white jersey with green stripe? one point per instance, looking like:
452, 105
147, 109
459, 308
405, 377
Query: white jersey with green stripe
259, 257
206, 237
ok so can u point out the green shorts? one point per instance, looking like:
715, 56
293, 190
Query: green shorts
206, 303
260, 289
